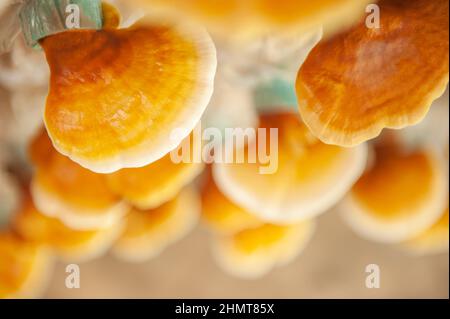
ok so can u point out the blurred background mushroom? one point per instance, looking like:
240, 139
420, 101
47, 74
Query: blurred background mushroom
433, 240
62, 189
69, 244
147, 233
243, 20
151, 186
309, 177
24, 267
401, 195
245, 245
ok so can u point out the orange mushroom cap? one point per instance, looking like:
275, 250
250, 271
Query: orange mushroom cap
148, 233
24, 267
311, 176
69, 244
432, 240
63, 189
116, 95
150, 186
400, 196
252, 18
253, 252
361, 81
223, 216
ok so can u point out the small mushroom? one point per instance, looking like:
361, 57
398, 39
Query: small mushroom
111, 16
431, 241
359, 82
70, 245
302, 178
147, 233
63, 189
24, 267
151, 186
400, 196
117, 94
245, 245
223, 216
253, 252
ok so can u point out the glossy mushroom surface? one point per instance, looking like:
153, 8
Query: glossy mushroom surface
116, 95
361, 81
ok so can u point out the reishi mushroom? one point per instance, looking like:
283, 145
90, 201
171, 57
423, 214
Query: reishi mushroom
310, 178
116, 94
147, 233
151, 186
252, 18
222, 216
63, 189
245, 245
69, 244
361, 81
24, 267
431, 241
253, 252
401, 195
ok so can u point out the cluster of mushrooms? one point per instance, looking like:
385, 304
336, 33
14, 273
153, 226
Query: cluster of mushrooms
95, 175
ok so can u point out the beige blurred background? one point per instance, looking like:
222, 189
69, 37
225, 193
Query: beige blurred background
332, 266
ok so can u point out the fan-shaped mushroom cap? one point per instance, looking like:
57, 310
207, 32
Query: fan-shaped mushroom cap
151, 186
433, 240
311, 176
250, 18
359, 82
399, 197
69, 244
148, 233
63, 189
223, 216
331, 14
253, 252
116, 95
24, 267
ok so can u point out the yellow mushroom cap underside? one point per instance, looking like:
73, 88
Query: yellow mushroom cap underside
148, 233
151, 186
253, 252
433, 240
116, 95
253, 18
402, 195
310, 178
221, 215
361, 81
69, 244
24, 267
63, 189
